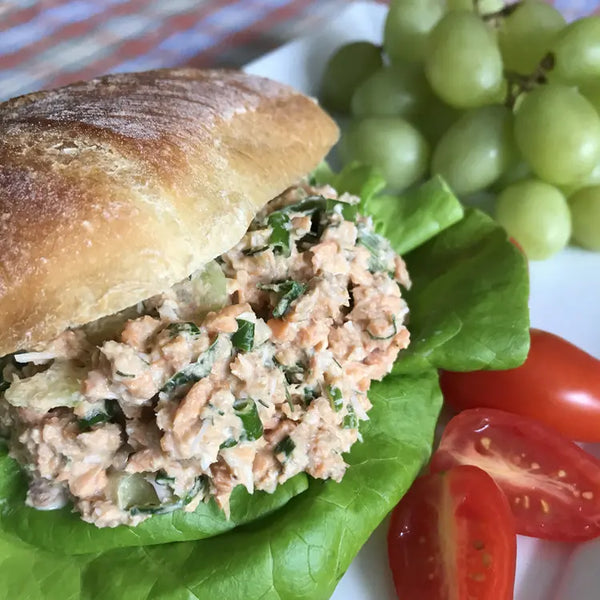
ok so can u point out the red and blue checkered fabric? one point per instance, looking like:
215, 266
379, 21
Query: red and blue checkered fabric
46, 43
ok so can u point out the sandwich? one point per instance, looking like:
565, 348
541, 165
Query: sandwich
194, 318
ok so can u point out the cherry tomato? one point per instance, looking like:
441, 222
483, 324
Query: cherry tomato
452, 537
559, 385
553, 486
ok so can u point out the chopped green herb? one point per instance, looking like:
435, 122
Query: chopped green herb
111, 409
156, 509
308, 206
312, 237
163, 479
310, 393
200, 484
319, 208
254, 251
128, 375
188, 327
293, 373
243, 338
230, 443
285, 446
288, 291
350, 420
85, 424
378, 247
335, 396
314, 204
245, 409
280, 225
385, 337
288, 398
193, 372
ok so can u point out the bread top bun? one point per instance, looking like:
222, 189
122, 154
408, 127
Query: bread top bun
113, 190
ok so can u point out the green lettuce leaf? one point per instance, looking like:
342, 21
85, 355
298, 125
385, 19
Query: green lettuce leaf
63, 530
357, 179
416, 216
407, 220
469, 300
31, 574
298, 552
468, 309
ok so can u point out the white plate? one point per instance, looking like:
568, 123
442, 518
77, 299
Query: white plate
565, 299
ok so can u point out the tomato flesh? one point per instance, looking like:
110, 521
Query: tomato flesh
552, 485
559, 385
446, 542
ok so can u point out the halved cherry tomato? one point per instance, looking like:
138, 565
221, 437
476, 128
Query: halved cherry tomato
552, 485
452, 537
559, 385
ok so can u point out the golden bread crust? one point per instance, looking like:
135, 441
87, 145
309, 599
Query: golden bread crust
114, 189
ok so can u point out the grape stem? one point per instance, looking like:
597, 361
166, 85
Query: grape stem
495, 19
519, 84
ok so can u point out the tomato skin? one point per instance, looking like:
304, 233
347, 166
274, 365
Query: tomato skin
559, 385
444, 542
552, 485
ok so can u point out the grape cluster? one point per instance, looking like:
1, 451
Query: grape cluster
502, 99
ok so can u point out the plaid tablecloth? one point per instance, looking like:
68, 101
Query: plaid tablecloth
45, 43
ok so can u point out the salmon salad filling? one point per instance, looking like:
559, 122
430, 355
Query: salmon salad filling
250, 371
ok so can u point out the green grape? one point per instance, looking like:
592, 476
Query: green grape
585, 214
407, 28
501, 93
349, 66
592, 93
485, 6
463, 65
526, 35
435, 119
558, 133
516, 172
397, 90
577, 52
592, 179
536, 214
389, 143
476, 150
